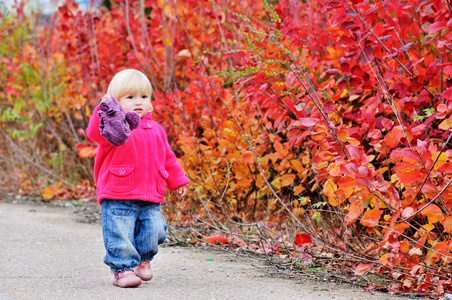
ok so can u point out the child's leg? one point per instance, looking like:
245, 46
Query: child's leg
150, 231
118, 227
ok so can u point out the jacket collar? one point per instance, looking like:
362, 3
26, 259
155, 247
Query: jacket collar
147, 116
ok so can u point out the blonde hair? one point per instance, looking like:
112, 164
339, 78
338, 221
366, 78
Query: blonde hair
129, 81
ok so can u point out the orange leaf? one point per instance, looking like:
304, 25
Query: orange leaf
371, 217
48, 193
87, 152
410, 177
318, 136
384, 260
405, 246
342, 135
287, 179
447, 223
353, 213
353, 142
362, 268
347, 183
298, 211
433, 213
216, 239
297, 165
329, 190
247, 157
440, 250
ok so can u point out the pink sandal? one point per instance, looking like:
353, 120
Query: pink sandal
143, 270
126, 279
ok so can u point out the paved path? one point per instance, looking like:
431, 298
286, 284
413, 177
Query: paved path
45, 254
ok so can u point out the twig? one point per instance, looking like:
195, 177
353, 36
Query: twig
425, 206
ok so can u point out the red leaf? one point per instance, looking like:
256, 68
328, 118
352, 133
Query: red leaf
406, 47
302, 238
80, 146
308, 122
331, 71
447, 94
418, 130
329, 107
12, 91
435, 27
216, 239
362, 268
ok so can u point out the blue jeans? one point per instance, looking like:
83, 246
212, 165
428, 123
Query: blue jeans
132, 231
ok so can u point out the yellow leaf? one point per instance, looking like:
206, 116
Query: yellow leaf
169, 11
168, 42
344, 93
329, 188
445, 125
442, 156
48, 193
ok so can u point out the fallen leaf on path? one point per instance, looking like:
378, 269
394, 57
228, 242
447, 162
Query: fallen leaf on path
216, 239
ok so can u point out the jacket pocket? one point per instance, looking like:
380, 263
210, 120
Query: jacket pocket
121, 178
161, 181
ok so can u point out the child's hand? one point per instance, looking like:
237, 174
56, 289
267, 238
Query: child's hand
181, 191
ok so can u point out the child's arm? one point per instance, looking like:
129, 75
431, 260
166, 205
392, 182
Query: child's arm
176, 178
93, 130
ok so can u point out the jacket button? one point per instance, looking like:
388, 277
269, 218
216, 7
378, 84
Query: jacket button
149, 124
121, 171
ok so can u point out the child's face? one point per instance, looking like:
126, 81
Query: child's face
137, 102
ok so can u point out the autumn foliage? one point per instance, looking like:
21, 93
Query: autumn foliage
314, 126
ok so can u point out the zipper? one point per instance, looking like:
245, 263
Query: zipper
147, 193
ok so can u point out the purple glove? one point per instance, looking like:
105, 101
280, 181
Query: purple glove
116, 124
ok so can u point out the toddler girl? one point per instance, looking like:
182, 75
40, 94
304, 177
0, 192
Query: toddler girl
134, 164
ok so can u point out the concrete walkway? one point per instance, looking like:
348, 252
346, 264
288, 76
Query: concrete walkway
45, 254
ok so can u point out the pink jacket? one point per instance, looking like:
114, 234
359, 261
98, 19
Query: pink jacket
139, 169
